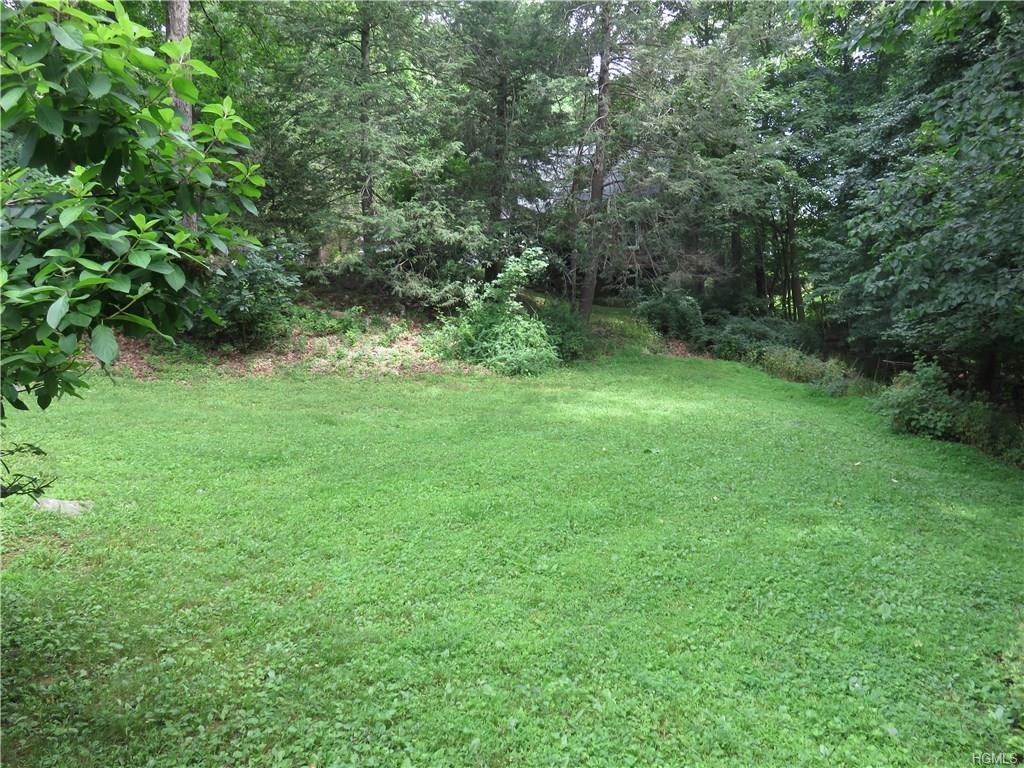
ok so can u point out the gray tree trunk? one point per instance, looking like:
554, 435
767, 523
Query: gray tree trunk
177, 28
600, 147
366, 193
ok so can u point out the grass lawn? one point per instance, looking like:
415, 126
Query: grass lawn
635, 561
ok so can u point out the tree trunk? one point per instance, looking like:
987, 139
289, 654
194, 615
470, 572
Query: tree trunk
760, 278
988, 374
781, 280
366, 192
796, 288
600, 146
735, 250
177, 29
499, 157
574, 190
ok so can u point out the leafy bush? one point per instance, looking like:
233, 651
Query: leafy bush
791, 364
920, 402
494, 328
94, 208
830, 376
318, 322
509, 343
737, 338
567, 330
393, 331
252, 300
675, 314
992, 430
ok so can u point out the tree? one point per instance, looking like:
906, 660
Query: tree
601, 129
177, 30
93, 237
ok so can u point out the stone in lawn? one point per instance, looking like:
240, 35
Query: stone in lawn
66, 507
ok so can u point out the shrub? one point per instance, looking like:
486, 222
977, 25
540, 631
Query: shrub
99, 178
992, 430
675, 314
738, 338
252, 301
393, 331
494, 328
566, 329
792, 364
318, 322
920, 402
507, 343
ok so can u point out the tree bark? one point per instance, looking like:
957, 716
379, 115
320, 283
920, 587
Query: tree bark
796, 288
499, 157
177, 29
574, 189
366, 192
600, 147
760, 278
989, 374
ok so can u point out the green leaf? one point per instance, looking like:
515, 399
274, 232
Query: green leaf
99, 86
219, 244
203, 175
113, 61
121, 282
66, 37
57, 310
34, 53
185, 89
49, 119
88, 279
183, 198
145, 322
10, 98
144, 58
118, 243
202, 68
139, 259
28, 148
175, 278
70, 215
90, 308
103, 344
249, 205
94, 266
111, 169
175, 49
68, 343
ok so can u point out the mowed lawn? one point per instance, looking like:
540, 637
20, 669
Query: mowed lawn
636, 561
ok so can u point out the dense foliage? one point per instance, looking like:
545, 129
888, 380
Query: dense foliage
251, 301
495, 329
853, 168
112, 208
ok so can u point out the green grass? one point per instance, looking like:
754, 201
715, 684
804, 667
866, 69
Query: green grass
635, 561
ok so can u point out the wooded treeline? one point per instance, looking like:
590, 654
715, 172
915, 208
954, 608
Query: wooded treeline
854, 163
